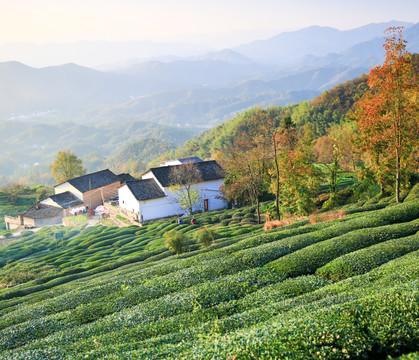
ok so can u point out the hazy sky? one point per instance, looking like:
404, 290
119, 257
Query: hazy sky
44, 21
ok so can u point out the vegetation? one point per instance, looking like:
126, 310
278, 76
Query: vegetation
67, 166
183, 189
332, 285
367, 127
387, 115
107, 292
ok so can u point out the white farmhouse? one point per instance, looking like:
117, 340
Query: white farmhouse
152, 198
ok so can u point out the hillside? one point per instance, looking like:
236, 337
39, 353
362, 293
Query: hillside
331, 107
30, 148
345, 288
135, 157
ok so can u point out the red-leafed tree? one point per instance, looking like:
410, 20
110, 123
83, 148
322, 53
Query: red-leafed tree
387, 115
247, 161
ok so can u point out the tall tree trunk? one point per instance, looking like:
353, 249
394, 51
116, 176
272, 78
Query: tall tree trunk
276, 178
277, 188
258, 208
397, 176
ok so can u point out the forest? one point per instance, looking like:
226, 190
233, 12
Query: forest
365, 129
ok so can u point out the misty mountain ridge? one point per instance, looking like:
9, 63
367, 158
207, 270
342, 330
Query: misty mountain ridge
234, 79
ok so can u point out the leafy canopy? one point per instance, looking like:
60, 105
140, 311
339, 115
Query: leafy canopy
66, 166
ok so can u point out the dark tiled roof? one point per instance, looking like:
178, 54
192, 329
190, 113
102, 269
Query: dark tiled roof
192, 159
42, 211
125, 177
66, 200
94, 180
207, 170
145, 189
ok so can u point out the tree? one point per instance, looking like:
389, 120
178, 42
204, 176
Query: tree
66, 166
387, 115
282, 139
248, 159
298, 179
184, 179
13, 191
335, 150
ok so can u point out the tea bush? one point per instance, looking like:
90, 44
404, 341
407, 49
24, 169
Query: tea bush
362, 261
119, 293
309, 259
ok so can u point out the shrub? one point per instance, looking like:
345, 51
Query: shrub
8, 235
215, 219
175, 241
225, 222
205, 237
249, 216
238, 215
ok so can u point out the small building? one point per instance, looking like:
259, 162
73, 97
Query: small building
92, 189
125, 177
71, 197
153, 196
187, 160
41, 215
143, 200
68, 201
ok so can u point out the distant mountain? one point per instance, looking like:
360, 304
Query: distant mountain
67, 87
366, 54
94, 53
315, 40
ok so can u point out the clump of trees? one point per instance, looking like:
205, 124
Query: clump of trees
369, 126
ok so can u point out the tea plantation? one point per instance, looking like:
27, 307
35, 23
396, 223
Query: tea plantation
342, 289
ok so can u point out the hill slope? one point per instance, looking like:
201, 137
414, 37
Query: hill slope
118, 293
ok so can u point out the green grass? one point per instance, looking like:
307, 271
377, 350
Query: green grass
347, 288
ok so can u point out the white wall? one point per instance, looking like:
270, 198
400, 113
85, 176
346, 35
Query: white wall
209, 190
168, 206
158, 208
127, 200
68, 187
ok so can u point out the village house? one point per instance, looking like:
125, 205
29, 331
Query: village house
71, 197
152, 196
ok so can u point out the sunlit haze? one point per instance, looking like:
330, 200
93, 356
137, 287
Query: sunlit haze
42, 21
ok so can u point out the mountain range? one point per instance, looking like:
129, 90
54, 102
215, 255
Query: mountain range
181, 87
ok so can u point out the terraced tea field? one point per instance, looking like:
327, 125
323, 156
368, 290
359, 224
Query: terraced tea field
342, 289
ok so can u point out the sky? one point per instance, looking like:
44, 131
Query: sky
44, 21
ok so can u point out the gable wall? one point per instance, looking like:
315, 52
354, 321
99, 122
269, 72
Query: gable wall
68, 187
127, 200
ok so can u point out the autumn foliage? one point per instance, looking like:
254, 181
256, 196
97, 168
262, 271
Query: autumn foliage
387, 115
